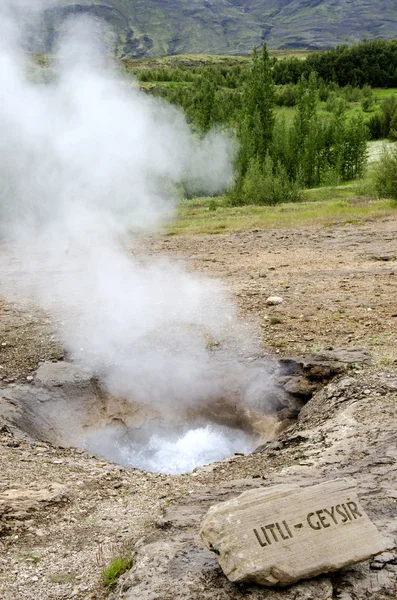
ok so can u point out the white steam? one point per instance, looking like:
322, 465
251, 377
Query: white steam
84, 161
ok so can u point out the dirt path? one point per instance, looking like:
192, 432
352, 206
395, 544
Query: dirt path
339, 290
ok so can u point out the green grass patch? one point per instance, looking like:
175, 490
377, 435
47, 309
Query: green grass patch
380, 93
115, 569
195, 216
285, 112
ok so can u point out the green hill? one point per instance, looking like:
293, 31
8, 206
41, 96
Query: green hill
161, 27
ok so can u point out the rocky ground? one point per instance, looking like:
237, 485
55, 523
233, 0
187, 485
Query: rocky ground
65, 514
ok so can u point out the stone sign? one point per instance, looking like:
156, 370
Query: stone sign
280, 535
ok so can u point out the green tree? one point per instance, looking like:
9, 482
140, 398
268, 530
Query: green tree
205, 107
307, 134
354, 148
257, 115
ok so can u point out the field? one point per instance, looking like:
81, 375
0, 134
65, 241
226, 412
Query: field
199, 216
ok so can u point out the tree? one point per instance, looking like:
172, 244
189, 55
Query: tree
257, 115
205, 107
307, 134
355, 148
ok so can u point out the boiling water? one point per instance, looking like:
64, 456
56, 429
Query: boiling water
173, 452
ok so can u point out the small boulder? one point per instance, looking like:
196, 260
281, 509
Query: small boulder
274, 300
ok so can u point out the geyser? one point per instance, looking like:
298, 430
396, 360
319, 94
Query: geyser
86, 163
65, 406
172, 451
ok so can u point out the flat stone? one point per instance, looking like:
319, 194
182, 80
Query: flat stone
348, 356
22, 501
62, 374
274, 300
279, 535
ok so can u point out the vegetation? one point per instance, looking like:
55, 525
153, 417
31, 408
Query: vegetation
277, 159
368, 63
115, 569
297, 125
322, 141
333, 206
383, 123
386, 174
185, 80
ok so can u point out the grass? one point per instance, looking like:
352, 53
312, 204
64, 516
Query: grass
115, 569
343, 206
380, 93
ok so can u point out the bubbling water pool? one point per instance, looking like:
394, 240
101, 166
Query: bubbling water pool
173, 451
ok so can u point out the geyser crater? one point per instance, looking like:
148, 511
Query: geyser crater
66, 406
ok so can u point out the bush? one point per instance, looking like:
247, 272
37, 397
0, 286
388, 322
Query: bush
366, 104
336, 104
383, 123
386, 173
268, 184
286, 95
375, 126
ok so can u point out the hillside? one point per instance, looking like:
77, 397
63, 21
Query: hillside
161, 27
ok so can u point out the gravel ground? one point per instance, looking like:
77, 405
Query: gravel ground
338, 286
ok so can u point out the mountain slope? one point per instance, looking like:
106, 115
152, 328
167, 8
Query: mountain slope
160, 27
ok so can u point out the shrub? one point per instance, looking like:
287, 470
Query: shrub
383, 123
375, 126
286, 95
268, 184
386, 173
336, 104
366, 104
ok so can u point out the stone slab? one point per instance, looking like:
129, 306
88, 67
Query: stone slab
279, 535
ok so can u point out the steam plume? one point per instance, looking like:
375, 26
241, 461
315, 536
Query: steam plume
85, 160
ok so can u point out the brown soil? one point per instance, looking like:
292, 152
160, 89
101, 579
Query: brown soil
338, 283
338, 287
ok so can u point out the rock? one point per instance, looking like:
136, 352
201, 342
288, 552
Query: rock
384, 256
300, 387
19, 503
274, 300
390, 384
346, 356
280, 535
62, 374
181, 516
